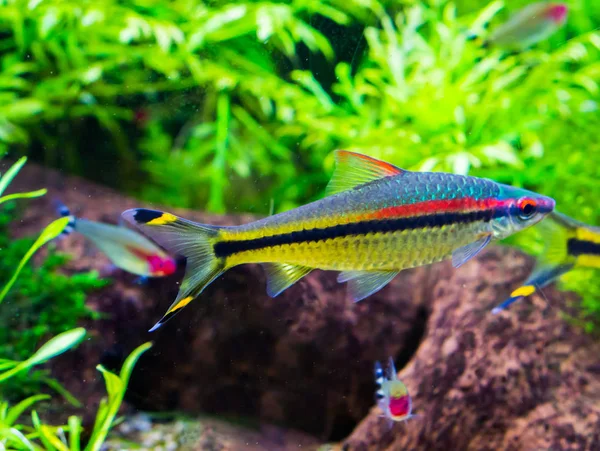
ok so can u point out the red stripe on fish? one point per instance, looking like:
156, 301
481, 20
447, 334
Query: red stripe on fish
434, 206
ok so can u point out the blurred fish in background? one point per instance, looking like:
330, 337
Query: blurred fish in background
125, 248
530, 25
568, 244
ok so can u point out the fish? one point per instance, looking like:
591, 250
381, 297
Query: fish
392, 395
125, 248
569, 244
530, 25
376, 220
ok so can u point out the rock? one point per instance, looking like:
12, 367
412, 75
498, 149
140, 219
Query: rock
204, 434
522, 380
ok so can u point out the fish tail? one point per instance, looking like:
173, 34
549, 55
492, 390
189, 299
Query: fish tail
553, 262
63, 211
186, 238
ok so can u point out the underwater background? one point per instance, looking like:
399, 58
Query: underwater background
224, 112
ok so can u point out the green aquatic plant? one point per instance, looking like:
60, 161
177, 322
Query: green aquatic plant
9, 176
13, 435
50, 232
114, 66
41, 436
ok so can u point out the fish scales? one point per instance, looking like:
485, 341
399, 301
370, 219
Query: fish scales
372, 222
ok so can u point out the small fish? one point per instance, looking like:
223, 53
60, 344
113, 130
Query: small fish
126, 248
376, 220
568, 244
392, 395
530, 25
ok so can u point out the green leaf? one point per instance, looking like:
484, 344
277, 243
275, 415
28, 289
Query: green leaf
29, 195
74, 433
11, 173
16, 436
116, 387
22, 109
55, 346
16, 411
51, 231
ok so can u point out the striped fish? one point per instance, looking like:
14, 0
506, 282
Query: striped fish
568, 244
392, 395
377, 220
125, 248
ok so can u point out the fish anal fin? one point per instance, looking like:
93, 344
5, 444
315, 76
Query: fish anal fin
362, 284
354, 169
281, 276
463, 254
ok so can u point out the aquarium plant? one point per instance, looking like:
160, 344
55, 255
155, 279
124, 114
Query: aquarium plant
36, 302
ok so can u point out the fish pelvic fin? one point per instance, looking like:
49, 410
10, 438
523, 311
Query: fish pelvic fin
362, 284
186, 238
555, 232
354, 169
281, 276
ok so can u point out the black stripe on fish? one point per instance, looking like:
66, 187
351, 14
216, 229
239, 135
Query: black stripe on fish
226, 248
577, 247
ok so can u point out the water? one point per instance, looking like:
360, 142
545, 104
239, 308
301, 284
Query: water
225, 112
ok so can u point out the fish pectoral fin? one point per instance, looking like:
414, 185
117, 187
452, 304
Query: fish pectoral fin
463, 254
281, 276
354, 169
364, 283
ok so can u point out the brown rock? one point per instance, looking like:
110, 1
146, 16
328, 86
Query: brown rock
521, 380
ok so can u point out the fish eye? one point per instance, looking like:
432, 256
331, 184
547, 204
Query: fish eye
527, 208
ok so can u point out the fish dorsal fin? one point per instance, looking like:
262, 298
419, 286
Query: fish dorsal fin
354, 169
281, 276
392, 375
463, 254
364, 283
